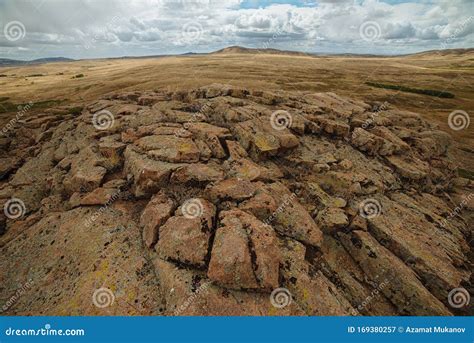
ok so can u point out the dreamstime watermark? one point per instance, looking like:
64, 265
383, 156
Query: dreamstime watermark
456, 32
22, 110
369, 121
19, 292
14, 208
459, 297
280, 297
90, 40
370, 31
201, 290
375, 292
14, 30
46, 331
191, 32
103, 297
280, 209
456, 210
102, 209
458, 120
370, 208
103, 120
192, 208
273, 38
280, 120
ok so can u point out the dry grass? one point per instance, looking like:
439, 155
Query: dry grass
452, 73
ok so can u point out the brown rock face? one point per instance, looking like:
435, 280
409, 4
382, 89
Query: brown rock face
232, 189
380, 265
148, 175
291, 218
155, 214
231, 262
169, 148
227, 201
185, 238
331, 219
255, 262
197, 172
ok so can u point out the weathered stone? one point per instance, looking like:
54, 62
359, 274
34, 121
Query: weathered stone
148, 175
262, 205
211, 135
147, 100
113, 152
258, 137
100, 196
333, 127
267, 181
366, 297
410, 168
7, 165
291, 218
186, 238
331, 219
204, 150
197, 172
182, 240
86, 172
409, 235
358, 223
235, 150
325, 199
232, 189
248, 170
115, 183
366, 141
155, 214
231, 263
345, 164
205, 130
262, 244
313, 291
403, 288
169, 148
190, 293
392, 143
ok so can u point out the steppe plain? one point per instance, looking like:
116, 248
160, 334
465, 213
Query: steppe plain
278, 208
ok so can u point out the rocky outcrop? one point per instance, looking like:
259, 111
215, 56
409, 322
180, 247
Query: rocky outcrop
227, 201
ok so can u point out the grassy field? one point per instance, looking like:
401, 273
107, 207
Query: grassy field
451, 72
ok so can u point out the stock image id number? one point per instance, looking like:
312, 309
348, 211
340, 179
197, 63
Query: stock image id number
371, 329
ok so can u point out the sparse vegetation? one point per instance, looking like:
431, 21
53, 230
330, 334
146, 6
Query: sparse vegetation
35, 75
467, 174
76, 110
78, 76
431, 92
340, 74
8, 106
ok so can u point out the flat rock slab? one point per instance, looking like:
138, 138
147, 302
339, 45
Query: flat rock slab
169, 148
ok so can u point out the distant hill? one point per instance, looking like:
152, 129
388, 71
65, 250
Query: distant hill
447, 52
4, 62
243, 50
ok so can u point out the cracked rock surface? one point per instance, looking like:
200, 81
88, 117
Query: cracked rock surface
204, 202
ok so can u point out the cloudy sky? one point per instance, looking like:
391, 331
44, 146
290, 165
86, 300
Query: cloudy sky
110, 28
